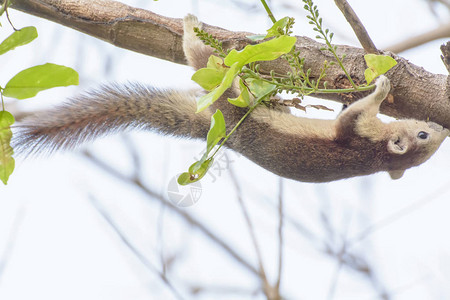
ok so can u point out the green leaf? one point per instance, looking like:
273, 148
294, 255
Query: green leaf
211, 76
184, 178
274, 30
216, 132
207, 78
244, 98
208, 99
29, 82
369, 75
256, 37
377, 65
215, 62
269, 50
260, 88
198, 169
18, 38
196, 172
6, 161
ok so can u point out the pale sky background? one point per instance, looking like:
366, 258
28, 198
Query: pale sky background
54, 244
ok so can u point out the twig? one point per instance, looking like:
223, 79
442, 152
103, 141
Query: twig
160, 236
268, 289
410, 285
441, 32
178, 211
400, 213
131, 147
357, 26
107, 217
445, 3
334, 237
7, 14
333, 285
445, 49
9, 247
269, 12
243, 293
280, 232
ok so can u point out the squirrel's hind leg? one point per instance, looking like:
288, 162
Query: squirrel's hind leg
197, 53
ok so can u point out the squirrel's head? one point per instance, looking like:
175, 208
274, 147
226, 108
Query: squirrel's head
412, 142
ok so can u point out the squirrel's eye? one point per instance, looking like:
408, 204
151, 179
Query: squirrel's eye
422, 135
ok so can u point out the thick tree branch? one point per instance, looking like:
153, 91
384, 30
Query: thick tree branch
122, 25
418, 94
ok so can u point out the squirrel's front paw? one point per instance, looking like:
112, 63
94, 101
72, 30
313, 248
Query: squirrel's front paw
383, 86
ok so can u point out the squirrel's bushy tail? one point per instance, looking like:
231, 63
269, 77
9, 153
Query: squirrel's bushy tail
111, 108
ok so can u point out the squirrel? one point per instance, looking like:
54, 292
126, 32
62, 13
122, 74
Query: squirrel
356, 143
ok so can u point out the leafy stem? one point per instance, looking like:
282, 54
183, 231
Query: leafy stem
209, 40
315, 89
221, 72
4, 6
269, 12
4, 9
326, 35
257, 102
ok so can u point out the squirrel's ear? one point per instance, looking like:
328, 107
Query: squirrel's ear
397, 145
397, 174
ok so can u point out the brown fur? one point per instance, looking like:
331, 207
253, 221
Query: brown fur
111, 109
356, 143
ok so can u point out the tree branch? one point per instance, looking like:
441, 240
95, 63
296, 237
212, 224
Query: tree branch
418, 94
440, 32
357, 26
445, 49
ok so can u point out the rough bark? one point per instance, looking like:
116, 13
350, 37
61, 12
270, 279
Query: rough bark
417, 93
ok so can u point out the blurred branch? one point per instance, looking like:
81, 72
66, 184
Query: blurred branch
161, 239
280, 231
223, 290
441, 32
357, 262
137, 183
445, 49
268, 289
338, 247
107, 217
444, 3
136, 158
357, 26
11, 241
334, 280
396, 216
